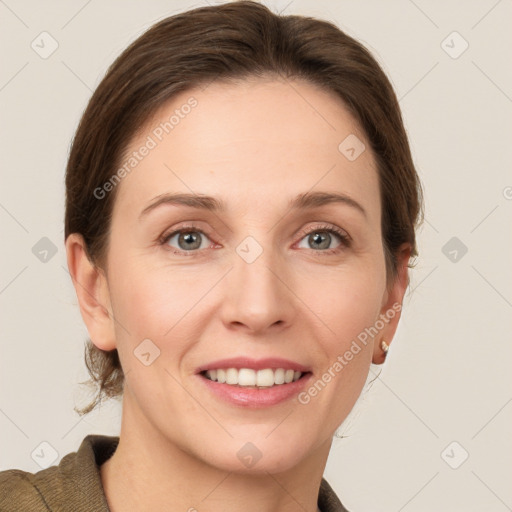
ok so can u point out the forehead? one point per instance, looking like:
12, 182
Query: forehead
249, 142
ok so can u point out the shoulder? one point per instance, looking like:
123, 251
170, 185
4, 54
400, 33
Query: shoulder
19, 490
72, 485
328, 501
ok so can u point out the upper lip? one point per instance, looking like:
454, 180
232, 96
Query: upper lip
254, 364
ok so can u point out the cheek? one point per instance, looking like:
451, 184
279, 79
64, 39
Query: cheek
152, 304
349, 304
348, 307
149, 297
347, 299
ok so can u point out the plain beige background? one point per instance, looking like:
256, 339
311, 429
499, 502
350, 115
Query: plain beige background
444, 393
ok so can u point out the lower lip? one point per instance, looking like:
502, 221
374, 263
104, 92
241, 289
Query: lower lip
256, 398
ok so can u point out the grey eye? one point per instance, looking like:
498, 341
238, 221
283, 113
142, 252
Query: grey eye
187, 240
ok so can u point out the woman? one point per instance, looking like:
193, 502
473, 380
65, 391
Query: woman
241, 205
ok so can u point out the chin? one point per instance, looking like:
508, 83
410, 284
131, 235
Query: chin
258, 456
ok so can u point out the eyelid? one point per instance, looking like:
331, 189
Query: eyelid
167, 235
344, 237
326, 227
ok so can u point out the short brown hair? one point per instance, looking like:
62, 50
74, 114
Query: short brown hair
236, 40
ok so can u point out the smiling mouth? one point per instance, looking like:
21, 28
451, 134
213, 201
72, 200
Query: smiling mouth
253, 379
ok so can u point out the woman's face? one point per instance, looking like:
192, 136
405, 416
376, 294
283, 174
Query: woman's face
248, 281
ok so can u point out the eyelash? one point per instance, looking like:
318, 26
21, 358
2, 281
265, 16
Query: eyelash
342, 235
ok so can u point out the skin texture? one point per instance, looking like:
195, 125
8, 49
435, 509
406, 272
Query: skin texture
254, 144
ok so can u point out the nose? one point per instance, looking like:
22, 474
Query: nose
257, 294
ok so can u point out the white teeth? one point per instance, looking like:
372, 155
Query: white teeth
279, 376
231, 376
265, 377
247, 377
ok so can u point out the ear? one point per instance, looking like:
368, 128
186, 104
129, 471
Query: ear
392, 303
92, 292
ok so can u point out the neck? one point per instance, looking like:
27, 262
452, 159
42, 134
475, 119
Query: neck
149, 472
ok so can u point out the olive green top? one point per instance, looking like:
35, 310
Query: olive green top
75, 484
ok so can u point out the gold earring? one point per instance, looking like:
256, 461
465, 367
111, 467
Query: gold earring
385, 347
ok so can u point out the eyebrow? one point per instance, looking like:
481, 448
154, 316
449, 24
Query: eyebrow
307, 200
